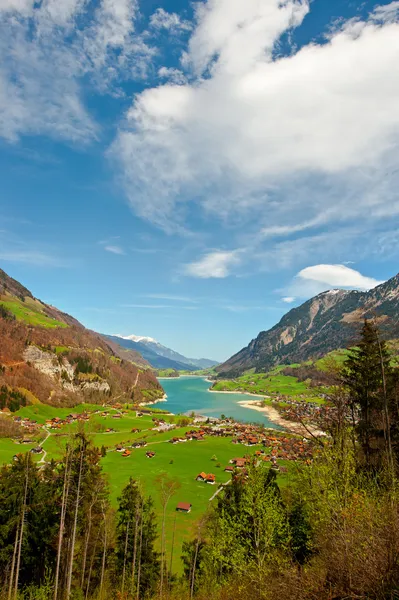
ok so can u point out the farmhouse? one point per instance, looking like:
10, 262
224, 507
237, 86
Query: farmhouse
150, 454
183, 507
201, 477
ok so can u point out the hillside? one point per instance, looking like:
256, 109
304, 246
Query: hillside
48, 356
159, 356
324, 323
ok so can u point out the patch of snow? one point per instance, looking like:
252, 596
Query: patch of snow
138, 338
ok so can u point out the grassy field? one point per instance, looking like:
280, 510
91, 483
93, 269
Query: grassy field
273, 383
30, 312
181, 461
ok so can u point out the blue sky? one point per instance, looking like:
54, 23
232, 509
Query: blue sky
191, 171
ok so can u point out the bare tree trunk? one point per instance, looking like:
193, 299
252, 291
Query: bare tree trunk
65, 492
135, 550
173, 545
91, 565
14, 558
124, 558
193, 571
86, 546
75, 524
21, 532
140, 550
104, 555
163, 547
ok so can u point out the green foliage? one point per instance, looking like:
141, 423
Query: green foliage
31, 312
369, 377
137, 562
11, 399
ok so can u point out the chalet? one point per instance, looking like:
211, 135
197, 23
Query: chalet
120, 448
251, 441
238, 462
211, 479
183, 507
126, 453
229, 469
150, 454
201, 477
117, 416
26, 441
37, 450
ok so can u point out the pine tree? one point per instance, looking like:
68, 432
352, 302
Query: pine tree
137, 562
367, 374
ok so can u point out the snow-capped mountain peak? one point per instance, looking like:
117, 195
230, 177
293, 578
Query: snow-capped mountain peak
138, 338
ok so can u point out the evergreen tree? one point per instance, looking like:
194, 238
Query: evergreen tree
28, 519
301, 534
138, 564
368, 375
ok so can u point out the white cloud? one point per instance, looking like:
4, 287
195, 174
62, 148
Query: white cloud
114, 249
213, 265
338, 276
161, 19
270, 138
172, 75
320, 278
288, 299
49, 48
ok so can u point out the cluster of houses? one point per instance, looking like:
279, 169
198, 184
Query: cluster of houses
57, 422
206, 478
31, 426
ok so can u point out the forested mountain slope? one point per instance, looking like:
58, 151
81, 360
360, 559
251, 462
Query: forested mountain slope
49, 356
324, 323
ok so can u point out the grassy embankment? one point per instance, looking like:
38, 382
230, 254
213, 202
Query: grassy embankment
30, 311
273, 384
180, 461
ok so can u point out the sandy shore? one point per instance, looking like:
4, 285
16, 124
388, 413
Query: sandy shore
274, 416
163, 399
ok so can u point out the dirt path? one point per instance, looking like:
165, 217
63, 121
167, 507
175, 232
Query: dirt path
220, 489
137, 378
43, 458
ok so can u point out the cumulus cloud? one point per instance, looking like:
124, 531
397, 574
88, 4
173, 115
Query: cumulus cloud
265, 136
319, 278
216, 265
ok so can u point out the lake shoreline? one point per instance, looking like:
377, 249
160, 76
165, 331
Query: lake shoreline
274, 416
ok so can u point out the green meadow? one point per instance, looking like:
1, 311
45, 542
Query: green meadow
181, 462
271, 383
31, 312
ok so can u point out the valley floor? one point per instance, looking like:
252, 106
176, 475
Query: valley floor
120, 427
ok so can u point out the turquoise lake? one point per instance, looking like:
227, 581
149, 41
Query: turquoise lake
187, 394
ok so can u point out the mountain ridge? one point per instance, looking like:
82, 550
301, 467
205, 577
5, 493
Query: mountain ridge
160, 356
326, 322
54, 359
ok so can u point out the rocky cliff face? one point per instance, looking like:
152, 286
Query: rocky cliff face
58, 361
324, 323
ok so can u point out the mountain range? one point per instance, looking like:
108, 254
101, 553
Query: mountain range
159, 356
48, 356
324, 323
